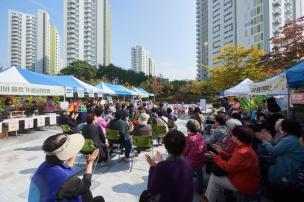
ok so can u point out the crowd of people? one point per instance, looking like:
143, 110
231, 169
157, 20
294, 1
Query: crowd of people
222, 155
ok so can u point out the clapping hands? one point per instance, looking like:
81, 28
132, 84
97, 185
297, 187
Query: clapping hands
153, 162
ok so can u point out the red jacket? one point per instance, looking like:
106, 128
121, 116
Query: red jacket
243, 169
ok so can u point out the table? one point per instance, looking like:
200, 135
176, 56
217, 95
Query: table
26, 123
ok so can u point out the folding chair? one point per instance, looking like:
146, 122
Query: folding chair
114, 138
66, 129
141, 142
87, 149
159, 131
171, 124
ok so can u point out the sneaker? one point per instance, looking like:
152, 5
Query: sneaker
126, 159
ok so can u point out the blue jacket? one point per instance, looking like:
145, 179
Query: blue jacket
47, 181
289, 155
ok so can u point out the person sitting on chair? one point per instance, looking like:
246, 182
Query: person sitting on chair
143, 128
125, 138
55, 180
94, 132
240, 172
170, 179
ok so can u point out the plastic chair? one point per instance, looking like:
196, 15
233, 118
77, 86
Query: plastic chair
141, 142
66, 129
87, 149
171, 124
159, 131
114, 138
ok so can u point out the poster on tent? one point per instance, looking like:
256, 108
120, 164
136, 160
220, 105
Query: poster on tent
30, 89
28, 123
99, 93
13, 125
297, 98
80, 92
68, 92
53, 119
91, 92
203, 104
276, 85
40, 121
64, 105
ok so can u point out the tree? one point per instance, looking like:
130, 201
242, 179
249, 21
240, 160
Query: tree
113, 72
236, 64
81, 70
288, 46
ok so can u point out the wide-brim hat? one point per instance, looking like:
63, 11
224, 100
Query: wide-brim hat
143, 118
70, 148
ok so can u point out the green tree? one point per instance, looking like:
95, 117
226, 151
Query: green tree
236, 64
81, 70
113, 72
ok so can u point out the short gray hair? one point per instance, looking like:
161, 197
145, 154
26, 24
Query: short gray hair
193, 126
231, 123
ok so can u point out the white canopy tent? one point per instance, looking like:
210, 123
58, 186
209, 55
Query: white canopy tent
18, 81
240, 90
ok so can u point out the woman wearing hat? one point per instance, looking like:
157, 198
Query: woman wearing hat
55, 180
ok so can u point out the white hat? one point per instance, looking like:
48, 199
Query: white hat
70, 148
143, 118
231, 123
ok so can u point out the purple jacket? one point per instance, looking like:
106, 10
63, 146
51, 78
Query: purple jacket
172, 179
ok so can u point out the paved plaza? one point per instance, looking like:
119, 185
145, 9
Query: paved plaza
20, 156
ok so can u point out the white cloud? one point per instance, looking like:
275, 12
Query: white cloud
38, 3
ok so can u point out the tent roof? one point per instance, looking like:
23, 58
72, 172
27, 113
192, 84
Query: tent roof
295, 76
241, 89
143, 92
21, 75
72, 82
114, 89
20, 81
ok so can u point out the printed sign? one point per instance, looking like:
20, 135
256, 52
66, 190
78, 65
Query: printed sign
99, 93
276, 85
68, 92
28, 123
40, 121
203, 104
80, 92
297, 98
64, 105
29, 89
91, 92
13, 125
53, 119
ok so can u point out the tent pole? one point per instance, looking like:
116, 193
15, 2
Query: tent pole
288, 103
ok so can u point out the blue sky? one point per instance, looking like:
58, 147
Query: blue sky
165, 27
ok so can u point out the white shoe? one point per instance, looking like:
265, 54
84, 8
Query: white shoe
126, 159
